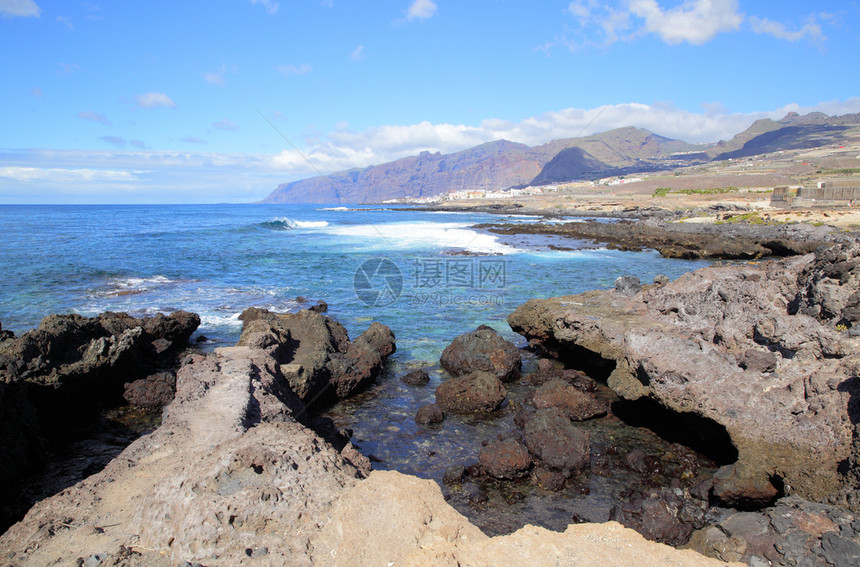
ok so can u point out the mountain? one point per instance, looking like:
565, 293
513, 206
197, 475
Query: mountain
494, 165
793, 132
503, 164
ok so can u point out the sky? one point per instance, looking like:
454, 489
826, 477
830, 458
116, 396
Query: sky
209, 102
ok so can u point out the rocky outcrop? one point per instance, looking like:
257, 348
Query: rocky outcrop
55, 379
689, 241
314, 353
232, 477
393, 519
230, 470
791, 409
153, 392
475, 392
482, 350
793, 532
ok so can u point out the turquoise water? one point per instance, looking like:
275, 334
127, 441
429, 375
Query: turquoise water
217, 260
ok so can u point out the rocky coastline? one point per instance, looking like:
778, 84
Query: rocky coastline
241, 472
757, 364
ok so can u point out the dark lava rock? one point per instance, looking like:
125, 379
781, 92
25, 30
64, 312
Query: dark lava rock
475, 392
793, 532
575, 404
430, 414
548, 479
667, 516
314, 352
320, 307
478, 496
547, 370
579, 380
482, 350
638, 461
416, 378
736, 487
556, 442
628, 285
154, 391
506, 459
454, 474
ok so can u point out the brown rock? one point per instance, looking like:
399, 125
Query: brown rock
482, 350
154, 391
430, 414
575, 404
506, 459
556, 442
475, 392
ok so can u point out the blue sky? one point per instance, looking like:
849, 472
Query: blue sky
186, 102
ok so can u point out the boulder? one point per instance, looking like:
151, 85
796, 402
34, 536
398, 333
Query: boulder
482, 350
430, 414
475, 392
314, 353
153, 392
556, 442
758, 351
506, 459
416, 378
575, 404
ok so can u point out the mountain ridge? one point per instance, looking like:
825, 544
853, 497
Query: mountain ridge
502, 164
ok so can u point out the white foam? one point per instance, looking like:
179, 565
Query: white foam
290, 223
209, 320
423, 234
334, 209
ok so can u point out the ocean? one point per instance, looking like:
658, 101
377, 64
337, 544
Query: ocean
429, 276
217, 260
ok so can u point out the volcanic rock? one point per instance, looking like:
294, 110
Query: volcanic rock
475, 392
789, 411
314, 354
556, 442
575, 404
482, 350
416, 378
430, 414
154, 391
506, 459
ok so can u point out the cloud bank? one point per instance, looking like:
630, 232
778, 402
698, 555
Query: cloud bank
694, 21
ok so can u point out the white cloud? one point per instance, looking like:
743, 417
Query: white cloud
153, 100
271, 7
31, 174
357, 53
291, 70
193, 140
19, 8
344, 149
225, 124
695, 22
421, 10
810, 30
93, 117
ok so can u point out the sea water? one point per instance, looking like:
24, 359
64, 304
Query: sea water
428, 276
